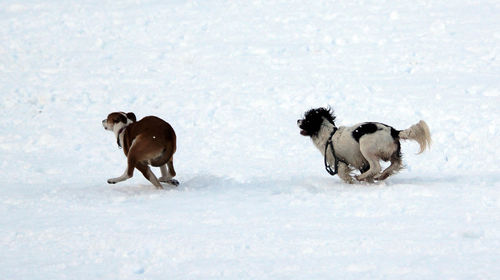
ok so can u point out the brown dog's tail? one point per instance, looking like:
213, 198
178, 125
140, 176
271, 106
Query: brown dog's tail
418, 132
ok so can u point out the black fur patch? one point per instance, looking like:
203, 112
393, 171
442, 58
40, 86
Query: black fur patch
395, 133
398, 154
121, 118
131, 116
366, 128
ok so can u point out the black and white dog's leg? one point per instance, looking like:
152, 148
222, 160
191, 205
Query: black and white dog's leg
372, 172
396, 165
345, 173
370, 155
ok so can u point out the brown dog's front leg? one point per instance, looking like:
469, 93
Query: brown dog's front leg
124, 177
129, 172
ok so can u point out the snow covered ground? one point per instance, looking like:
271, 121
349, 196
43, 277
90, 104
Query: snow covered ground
232, 77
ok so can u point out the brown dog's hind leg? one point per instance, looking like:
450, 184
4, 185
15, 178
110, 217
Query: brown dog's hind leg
146, 171
167, 177
171, 168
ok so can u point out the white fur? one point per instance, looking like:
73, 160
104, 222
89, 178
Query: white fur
125, 175
152, 178
117, 127
372, 148
166, 177
119, 179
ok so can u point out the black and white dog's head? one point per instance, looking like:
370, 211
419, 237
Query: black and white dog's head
310, 125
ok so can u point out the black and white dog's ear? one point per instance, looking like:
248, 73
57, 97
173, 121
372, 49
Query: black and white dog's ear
330, 111
131, 116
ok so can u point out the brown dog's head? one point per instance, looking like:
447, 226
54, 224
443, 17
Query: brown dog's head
118, 120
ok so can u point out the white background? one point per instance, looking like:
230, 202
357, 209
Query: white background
232, 78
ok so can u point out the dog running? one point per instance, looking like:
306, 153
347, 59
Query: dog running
360, 146
150, 141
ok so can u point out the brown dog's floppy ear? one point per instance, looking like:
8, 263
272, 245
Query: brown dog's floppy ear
121, 118
131, 116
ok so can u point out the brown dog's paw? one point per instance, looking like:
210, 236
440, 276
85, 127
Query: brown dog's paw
169, 181
172, 182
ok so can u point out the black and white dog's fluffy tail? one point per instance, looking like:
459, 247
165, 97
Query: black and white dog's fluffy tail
418, 132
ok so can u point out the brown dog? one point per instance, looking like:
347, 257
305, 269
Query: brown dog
150, 141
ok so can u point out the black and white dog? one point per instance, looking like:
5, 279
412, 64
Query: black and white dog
361, 146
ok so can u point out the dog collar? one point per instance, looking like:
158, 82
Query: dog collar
336, 164
118, 136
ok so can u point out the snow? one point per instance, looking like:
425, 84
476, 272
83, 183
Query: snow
232, 78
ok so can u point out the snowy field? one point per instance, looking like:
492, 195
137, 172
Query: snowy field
232, 78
